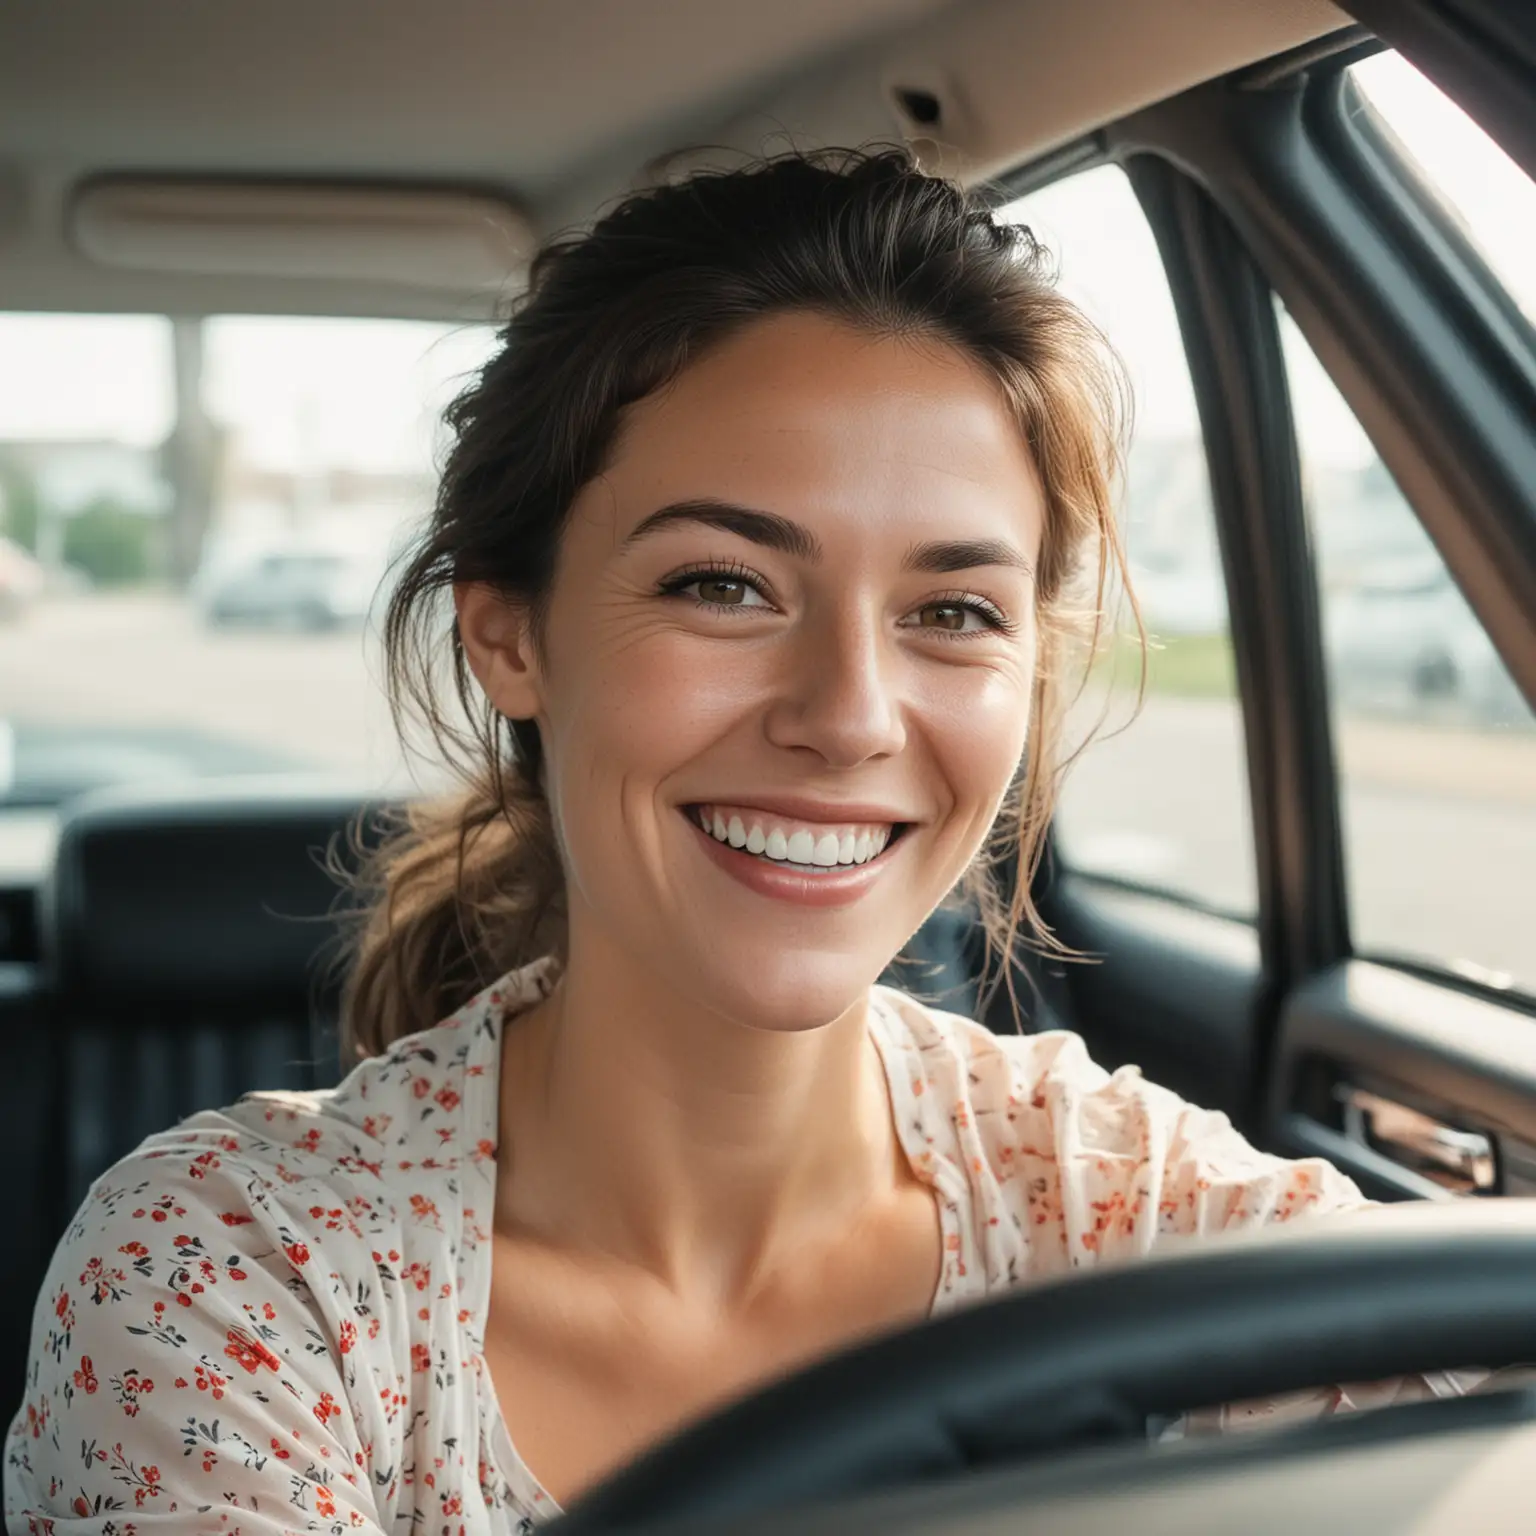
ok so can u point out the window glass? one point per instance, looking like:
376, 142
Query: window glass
1158, 798
1436, 747
195, 520
1484, 190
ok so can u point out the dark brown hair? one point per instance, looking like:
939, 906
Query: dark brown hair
471, 887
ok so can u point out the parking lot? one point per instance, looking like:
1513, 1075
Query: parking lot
1440, 820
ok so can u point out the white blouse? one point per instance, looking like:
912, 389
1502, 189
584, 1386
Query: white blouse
271, 1318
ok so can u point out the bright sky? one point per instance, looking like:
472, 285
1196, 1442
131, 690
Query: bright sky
368, 393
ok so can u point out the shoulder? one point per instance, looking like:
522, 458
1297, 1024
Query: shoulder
951, 1053
1078, 1162
329, 1170
426, 1107
302, 1261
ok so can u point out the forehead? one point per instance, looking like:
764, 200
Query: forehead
813, 418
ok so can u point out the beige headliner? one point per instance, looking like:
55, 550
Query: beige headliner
558, 107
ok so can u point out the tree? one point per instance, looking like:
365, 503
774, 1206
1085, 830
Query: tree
18, 500
112, 543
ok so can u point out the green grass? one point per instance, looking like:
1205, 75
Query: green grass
1182, 666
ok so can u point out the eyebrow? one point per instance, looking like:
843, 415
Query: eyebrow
942, 555
771, 530
768, 529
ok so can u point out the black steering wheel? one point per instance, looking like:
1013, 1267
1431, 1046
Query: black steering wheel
1362, 1297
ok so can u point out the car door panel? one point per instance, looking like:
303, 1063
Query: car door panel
1161, 985
1465, 1064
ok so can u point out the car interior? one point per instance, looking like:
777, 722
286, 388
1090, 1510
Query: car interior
1307, 903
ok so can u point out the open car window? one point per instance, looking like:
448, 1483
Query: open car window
1159, 796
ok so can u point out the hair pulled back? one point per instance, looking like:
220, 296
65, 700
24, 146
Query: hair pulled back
470, 887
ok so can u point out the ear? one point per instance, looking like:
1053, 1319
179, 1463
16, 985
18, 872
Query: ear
497, 635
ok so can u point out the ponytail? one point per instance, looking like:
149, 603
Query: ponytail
464, 891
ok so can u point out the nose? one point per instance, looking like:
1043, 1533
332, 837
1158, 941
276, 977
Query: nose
840, 694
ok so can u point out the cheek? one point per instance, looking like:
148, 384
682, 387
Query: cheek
646, 701
977, 722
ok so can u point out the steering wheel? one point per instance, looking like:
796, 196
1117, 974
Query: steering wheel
1361, 1297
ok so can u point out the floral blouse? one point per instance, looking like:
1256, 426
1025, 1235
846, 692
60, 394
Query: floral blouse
271, 1318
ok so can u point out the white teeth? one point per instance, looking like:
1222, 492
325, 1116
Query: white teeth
804, 845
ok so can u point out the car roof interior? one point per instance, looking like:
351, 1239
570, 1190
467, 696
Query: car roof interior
339, 159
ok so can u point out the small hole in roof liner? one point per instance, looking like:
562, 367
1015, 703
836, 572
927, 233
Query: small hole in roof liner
919, 106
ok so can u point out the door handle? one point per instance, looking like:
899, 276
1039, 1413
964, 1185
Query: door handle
1458, 1159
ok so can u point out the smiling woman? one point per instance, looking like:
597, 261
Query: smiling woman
755, 565
919, 436
834, 668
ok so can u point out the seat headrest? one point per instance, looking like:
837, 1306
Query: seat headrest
212, 893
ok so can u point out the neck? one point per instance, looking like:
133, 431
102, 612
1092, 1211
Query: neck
654, 1131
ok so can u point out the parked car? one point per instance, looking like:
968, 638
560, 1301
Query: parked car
298, 588
1404, 640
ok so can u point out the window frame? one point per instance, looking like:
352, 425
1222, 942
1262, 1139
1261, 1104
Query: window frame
1298, 175
1267, 184
1232, 346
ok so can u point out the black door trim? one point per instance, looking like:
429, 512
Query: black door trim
1481, 53
1226, 313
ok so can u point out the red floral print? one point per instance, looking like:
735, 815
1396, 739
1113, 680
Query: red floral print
270, 1284
251, 1354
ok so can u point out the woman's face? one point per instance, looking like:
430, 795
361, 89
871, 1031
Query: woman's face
785, 674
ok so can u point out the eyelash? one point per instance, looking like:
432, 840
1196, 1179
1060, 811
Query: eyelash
719, 570
732, 570
972, 603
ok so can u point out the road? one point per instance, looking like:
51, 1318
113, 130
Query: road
1440, 821
1439, 827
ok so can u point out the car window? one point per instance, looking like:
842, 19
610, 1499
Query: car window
1486, 192
1436, 747
1160, 797
196, 517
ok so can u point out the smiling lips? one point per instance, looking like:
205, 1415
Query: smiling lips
806, 847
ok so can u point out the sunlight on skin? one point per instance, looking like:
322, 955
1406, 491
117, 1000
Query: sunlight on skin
713, 1164
821, 688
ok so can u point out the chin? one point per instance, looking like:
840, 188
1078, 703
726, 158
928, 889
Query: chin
793, 990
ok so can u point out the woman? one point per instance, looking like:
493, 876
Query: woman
761, 533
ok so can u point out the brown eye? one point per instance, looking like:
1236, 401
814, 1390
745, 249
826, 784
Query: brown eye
723, 591
717, 589
943, 616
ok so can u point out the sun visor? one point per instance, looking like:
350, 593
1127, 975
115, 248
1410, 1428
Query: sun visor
444, 241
